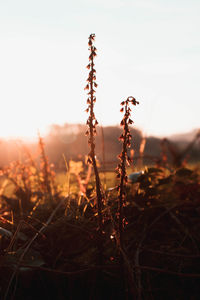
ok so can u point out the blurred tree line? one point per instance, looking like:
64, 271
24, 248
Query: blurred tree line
69, 141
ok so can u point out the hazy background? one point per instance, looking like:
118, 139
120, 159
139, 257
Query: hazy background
146, 48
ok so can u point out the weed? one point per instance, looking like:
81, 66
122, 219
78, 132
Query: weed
156, 256
46, 174
92, 122
123, 157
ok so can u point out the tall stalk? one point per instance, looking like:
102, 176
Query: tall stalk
121, 169
92, 122
45, 170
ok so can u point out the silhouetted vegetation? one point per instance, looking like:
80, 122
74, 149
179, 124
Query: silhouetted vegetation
65, 235
70, 140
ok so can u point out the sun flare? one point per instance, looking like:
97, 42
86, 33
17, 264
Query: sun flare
20, 127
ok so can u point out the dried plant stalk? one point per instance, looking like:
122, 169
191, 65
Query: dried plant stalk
45, 169
123, 157
92, 122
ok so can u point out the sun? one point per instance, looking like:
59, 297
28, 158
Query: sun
20, 127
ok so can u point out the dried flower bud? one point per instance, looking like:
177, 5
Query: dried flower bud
134, 102
125, 137
89, 161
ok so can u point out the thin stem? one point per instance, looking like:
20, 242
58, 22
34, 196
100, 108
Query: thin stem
121, 170
92, 122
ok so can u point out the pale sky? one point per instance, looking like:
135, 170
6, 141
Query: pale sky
149, 49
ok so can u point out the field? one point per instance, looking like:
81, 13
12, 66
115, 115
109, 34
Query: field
93, 233
51, 245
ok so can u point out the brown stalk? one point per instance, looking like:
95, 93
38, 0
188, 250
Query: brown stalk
45, 169
121, 169
92, 122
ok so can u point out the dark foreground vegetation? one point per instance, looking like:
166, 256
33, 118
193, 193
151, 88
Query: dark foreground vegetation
83, 239
50, 248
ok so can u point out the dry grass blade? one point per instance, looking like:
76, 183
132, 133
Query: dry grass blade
29, 244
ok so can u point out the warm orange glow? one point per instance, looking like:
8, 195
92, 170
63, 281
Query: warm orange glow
44, 52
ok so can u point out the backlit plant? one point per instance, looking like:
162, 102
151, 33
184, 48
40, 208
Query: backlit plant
91, 123
47, 175
124, 158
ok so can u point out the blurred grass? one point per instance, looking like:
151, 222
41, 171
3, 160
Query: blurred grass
62, 181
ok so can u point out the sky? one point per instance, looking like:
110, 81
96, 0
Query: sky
149, 49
